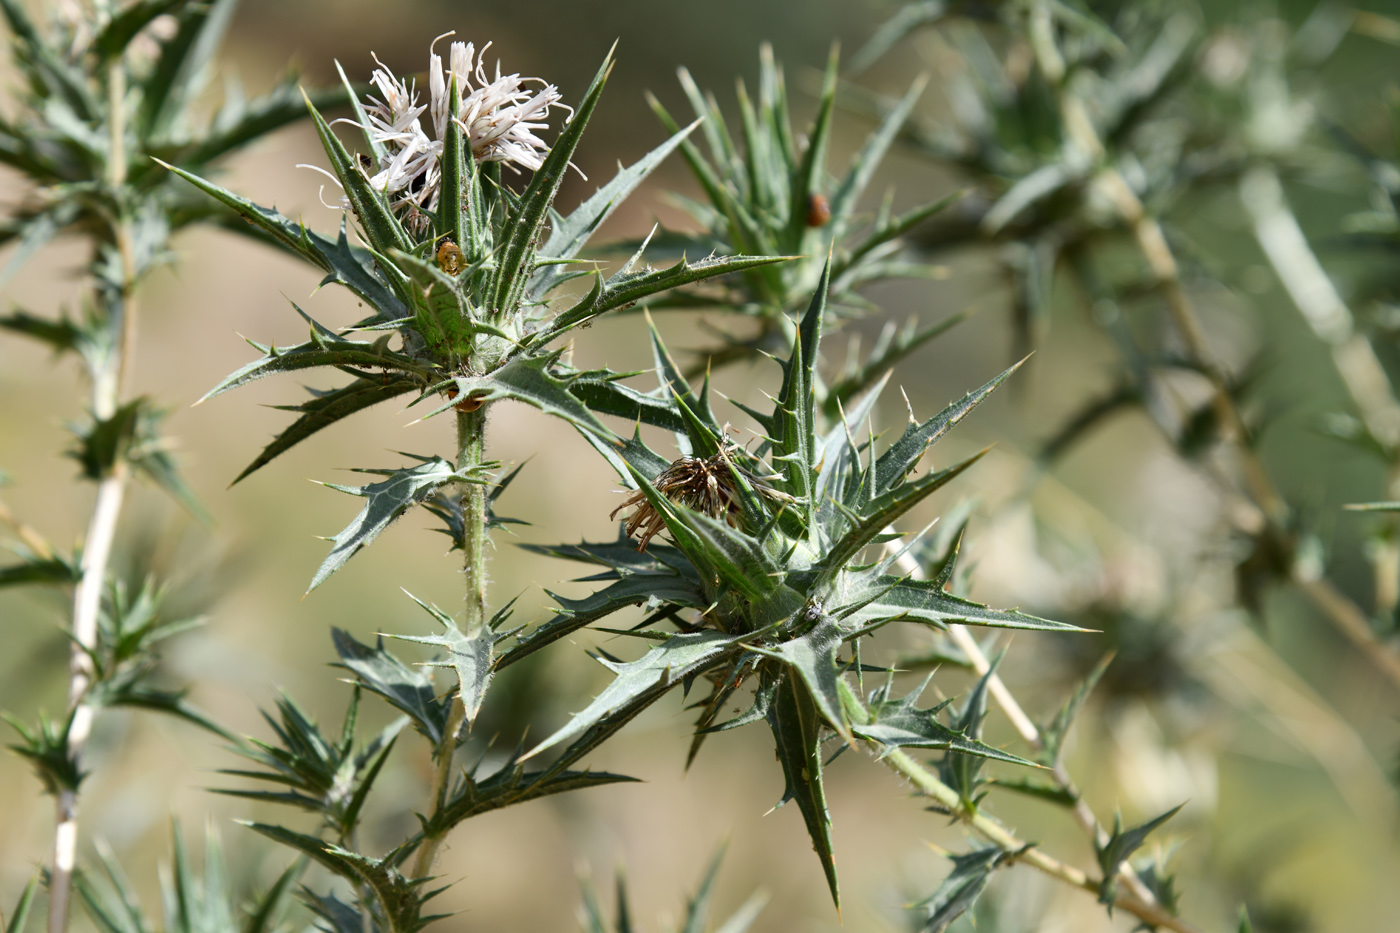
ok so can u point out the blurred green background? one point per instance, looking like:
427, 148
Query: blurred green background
1279, 753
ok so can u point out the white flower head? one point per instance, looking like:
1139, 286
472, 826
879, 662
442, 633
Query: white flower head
498, 119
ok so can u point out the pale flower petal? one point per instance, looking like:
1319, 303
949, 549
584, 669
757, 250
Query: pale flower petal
498, 119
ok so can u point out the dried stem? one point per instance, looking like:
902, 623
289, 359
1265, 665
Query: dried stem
26, 533
108, 389
471, 450
1311, 289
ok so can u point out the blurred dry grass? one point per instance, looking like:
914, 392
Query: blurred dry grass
1263, 814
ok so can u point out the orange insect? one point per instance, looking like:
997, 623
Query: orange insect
449, 257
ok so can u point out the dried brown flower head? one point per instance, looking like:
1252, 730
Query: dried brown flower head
701, 484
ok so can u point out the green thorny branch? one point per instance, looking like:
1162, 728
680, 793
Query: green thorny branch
1145, 909
1026, 728
106, 88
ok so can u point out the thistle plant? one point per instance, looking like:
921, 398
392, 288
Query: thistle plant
456, 265
774, 560
773, 592
105, 91
761, 582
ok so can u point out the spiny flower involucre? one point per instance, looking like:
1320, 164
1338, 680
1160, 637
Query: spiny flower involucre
498, 118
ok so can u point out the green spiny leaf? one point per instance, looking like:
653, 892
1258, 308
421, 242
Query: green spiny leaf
19, 919
1040, 790
959, 770
510, 786
382, 229
1120, 846
796, 726
338, 916
896, 463
114, 37
524, 223
34, 233
265, 912
603, 393
863, 166
626, 288
351, 266
906, 19
900, 723
883, 357
372, 143
640, 683
810, 174
386, 500
570, 234
959, 891
326, 348
812, 657
794, 421
528, 379
631, 590
61, 80
112, 906
1054, 734
406, 689
398, 896
471, 655
181, 71
326, 408
878, 514
34, 568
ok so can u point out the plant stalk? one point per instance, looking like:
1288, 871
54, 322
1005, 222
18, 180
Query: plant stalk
471, 452
1026, 728
930, 786
109, 385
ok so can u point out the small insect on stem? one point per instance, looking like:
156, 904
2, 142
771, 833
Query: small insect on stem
449, 257
469, 404
818, 210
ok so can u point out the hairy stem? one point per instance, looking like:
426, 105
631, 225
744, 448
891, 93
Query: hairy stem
930, 786
471, 451
108, 388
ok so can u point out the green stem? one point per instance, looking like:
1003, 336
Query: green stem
471, 452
